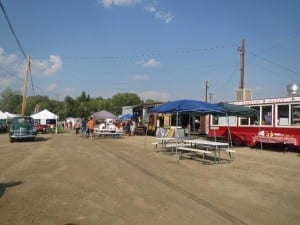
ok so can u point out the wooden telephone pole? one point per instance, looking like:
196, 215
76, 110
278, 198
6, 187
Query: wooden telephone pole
242, 64
243, 94
206, 90
27, 72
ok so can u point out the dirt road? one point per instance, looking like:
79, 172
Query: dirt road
63, 179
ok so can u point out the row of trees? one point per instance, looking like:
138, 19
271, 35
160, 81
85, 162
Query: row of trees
84, 105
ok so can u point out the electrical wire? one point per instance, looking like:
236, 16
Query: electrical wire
17, 40
142, 55
12, 30
274, 63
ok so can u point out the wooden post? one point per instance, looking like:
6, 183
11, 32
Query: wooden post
27, 70
242, 64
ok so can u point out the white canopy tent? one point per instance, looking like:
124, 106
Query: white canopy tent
3, 116
10, 115
45, 115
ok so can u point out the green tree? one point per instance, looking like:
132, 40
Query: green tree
82, 106
37, 103
124, 99
83, 97
10, 101
70, 107
150, 101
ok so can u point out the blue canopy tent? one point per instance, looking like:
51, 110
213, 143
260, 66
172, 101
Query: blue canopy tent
186, 105
127, 116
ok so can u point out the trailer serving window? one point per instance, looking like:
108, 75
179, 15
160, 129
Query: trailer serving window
283, 112
295, 115
252, 120
266, 115
288, 115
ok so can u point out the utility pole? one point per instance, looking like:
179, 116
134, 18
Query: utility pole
243, 94
242, 64
203, 120
210, 97
206, 90
27, 71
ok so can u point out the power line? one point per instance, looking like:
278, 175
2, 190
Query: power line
274, 63
12, 30
17, 40
142, 55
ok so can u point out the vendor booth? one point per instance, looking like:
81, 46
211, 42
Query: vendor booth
45, 117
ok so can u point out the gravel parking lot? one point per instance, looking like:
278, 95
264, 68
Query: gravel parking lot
61, 179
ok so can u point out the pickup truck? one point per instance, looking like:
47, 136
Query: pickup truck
41, 128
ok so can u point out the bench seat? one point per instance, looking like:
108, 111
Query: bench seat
204, 152
194, 150
174, 145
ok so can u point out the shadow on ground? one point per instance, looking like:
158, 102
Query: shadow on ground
4, 186
37, 139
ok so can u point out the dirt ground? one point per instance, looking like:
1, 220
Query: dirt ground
63, 180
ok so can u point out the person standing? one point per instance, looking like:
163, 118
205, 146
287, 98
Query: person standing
91, 125
83, 127
77, 127
132, 127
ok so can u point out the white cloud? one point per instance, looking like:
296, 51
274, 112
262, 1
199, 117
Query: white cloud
7, 59
7, 81
151, 63
10, 68
52, 87
48, 68
150, 8
154, 95
110, 3
105, 3
167, 17
139, 77
10, 65
55, 65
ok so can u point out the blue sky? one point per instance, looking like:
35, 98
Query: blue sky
158, 49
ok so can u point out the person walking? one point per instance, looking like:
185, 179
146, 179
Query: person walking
91, 125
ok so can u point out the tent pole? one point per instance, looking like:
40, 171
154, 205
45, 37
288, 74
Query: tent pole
176, 127
189, 128
259, 128
229, 132
177, 119
215, 135
146, 134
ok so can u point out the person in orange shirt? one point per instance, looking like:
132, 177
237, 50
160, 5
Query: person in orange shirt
91, 125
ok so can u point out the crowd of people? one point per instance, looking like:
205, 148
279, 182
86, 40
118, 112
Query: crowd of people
128, 127
85, 128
